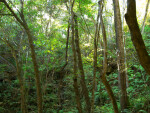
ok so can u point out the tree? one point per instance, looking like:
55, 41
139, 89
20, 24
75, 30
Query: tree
105, 65
75, 78
124, 42
120, 55
80, 66
136, 35
97, 26
24, 24
19, 76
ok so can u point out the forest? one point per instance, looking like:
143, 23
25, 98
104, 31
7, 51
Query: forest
74, 56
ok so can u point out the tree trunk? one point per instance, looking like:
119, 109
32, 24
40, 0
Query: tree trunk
20, 78
146, 10
80, 65
75, 79
110, 93
124, 43
103, 77
36, 70
60, 89
136, 36
120, 54
33, 55
22, 88
95, 62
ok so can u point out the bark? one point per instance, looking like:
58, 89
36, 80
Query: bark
120, 56
103, 77
80, 66
66, 57
146, 10
95, 63
75, 79
124, 43
33, 55
136, 36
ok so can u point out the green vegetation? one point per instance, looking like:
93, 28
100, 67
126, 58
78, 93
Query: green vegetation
49, 23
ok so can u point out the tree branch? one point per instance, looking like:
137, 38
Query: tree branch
6, 14
13, 13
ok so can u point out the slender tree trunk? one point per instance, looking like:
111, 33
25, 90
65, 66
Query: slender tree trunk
75, 79
120, 54
124, 43
136, 36
36, 70
20, 78
22, 89
103, 77
80, 65
146, 10
60, 90
33, 55
110, 93
95, 62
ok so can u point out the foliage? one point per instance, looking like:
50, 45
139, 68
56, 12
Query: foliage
48, 22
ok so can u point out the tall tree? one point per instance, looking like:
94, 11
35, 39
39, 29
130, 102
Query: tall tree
105, 65
136, 35
80, 66
120, 55
24, 24
95, 61
124, 42
146, 11
75, 78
